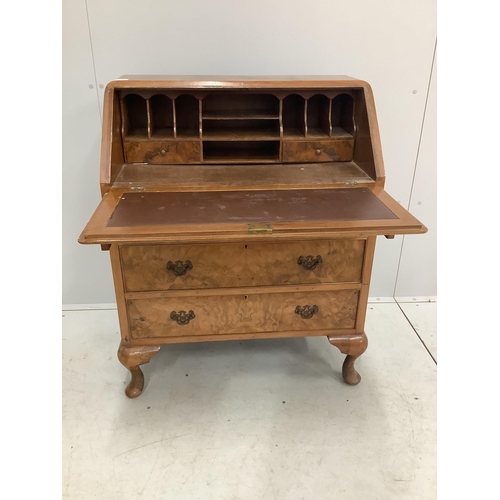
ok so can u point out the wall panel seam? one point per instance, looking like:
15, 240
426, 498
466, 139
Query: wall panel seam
93, 63
416, 163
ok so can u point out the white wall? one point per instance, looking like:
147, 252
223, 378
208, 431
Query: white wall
418, 271
86, 270
389, 43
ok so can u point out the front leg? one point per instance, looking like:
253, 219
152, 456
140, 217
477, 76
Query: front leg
131, 358
353, 346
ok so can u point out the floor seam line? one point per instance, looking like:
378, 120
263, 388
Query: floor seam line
415, 330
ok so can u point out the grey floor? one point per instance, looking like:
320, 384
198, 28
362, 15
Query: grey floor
267, 419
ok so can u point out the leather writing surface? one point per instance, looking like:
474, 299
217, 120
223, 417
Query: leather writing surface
216, 207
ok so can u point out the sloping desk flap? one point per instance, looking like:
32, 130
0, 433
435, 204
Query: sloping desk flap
124, 216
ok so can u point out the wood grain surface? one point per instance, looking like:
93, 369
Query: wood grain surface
242, 264
162, 152
219, 315
244, 177
312, 151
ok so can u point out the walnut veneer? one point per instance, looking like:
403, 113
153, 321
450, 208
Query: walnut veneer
241, 208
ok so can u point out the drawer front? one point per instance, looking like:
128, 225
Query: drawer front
170, 267
162, 151
229, 314
318, 151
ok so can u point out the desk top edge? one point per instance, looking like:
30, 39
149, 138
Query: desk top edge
235, 82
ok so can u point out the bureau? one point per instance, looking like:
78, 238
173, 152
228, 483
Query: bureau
241, 208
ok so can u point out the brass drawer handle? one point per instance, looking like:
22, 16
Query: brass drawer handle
309, 263
306, 312
179, 267
318, 152
182, 317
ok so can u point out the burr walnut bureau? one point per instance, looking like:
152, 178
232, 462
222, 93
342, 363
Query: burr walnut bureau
241, 208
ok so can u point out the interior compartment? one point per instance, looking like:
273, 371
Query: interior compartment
294, 116
241, 151
136, 116
187, 116
232, 121
162, 116
342, 115
223, 105
241, 129
318, 119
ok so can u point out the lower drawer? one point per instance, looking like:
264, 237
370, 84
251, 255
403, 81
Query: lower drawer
228, 314
162, 151
318, 151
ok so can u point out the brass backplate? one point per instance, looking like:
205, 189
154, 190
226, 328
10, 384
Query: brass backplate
260, 228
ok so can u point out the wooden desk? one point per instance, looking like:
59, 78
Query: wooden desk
241, 208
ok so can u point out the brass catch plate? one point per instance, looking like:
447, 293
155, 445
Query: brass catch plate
260, 228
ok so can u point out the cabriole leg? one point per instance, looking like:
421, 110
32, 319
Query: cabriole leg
353, 346
132, 358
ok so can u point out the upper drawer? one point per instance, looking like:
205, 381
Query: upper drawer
318, 151
164, 267
162, 151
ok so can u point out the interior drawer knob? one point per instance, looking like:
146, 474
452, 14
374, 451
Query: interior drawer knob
306, 312
318, 152
309, 263
182, 317
179, 267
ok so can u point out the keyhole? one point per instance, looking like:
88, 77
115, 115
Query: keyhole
246, 246
246, 297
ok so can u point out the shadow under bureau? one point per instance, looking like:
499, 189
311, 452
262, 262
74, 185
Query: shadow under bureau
241, 208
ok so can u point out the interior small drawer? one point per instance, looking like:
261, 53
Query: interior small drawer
232, 314
169, 267
318, 151
162, 151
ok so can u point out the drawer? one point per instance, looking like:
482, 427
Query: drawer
170, 267
230, 314
162, 151
318, 151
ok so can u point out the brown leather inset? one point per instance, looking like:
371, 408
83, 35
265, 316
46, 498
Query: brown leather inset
216, 207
